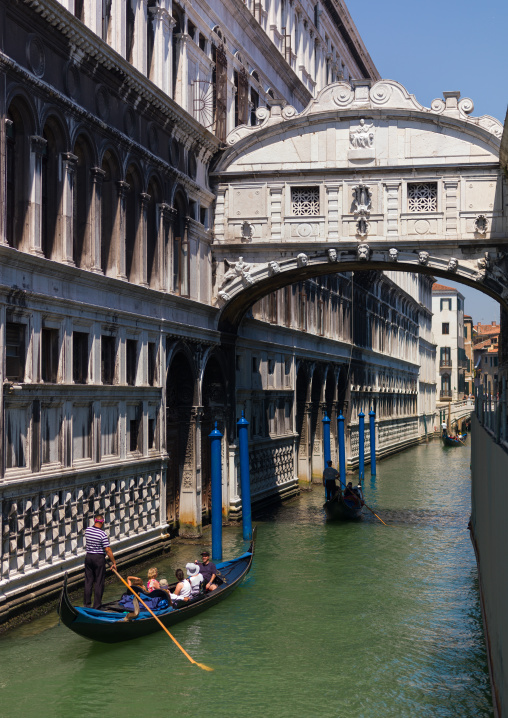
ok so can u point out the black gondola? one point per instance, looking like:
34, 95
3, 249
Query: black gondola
349, 508
110, 627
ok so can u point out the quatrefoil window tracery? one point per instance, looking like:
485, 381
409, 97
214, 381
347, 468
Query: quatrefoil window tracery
305, 201
422, 197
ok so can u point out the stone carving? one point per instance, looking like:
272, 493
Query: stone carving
453, 264
481, 224
484, 262
236, 270
363, 252
362, 227
481, 275
393, 254
363, 199
423, 258
302, 260
247, 231
332, 254
362, 137
273, 268
224, 296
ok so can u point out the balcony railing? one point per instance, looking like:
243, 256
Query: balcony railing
445, 363
445, 394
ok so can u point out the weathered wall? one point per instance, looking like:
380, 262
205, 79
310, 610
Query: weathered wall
489, 472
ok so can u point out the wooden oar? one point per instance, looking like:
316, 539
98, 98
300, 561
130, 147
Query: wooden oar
200, 665
375, 514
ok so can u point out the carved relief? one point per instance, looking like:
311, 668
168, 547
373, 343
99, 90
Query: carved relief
332, 254
453, 264
362, 137
247, 231
393, 254
423, 258
363, 252
273, 268
362, 196
362, 227
236, 270
481, 224
302, 260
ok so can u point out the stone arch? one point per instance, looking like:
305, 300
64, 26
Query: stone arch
181, 441
20, 127
215, 409
55, 133
82, 203
110, 209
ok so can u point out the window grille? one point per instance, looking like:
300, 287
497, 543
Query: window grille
305, 201
422, 197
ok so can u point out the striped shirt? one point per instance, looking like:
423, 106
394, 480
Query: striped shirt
96, 540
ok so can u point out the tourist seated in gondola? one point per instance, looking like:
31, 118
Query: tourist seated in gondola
348, 491
208, 570
182, 590
152, 582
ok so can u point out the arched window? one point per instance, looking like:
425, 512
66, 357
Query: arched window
81, 209
132, 222
109, 209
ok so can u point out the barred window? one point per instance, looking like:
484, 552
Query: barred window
422, 197
305, 201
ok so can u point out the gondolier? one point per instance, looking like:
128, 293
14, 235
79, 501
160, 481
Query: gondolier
97, 546
329, 476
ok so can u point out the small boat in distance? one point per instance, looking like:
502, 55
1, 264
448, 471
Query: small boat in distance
448, 440
109, 626
345, 508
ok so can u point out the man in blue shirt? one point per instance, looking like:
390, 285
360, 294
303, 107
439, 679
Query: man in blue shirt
208, 570
97, 546
329, 476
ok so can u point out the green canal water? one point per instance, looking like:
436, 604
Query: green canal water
334, 620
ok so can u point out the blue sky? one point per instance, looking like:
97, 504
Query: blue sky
437, 46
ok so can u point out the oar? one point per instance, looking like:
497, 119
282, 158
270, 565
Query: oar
200, 665
375, 514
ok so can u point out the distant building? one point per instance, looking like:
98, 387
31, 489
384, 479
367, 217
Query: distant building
448, 323
486, 356
468, 348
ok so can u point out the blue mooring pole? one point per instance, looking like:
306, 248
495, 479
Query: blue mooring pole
372, 418
342, 450
361, 444
243, 438
216, 455
326, 439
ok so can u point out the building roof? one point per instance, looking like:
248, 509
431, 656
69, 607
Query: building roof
487, 328
486, 344
442, 288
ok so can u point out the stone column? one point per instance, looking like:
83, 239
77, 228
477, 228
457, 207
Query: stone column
181, 89
123, 188
68, 170
190, 500
37, 148
118, 26
142, 273
333, 211
163, 56
164, 245
3, 186
451, 206
140, 36
95, 219
185, 260
392, 208
276, 210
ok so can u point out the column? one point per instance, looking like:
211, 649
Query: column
123, 188
3, 187
142, 271
276, 211
140, 39
118, 26
163, 245
185, 259
68, 170
392, 209
37, 148
451, 206
332, 210
190, 500
162, 53
95, 219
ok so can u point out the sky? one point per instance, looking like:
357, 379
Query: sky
437, 46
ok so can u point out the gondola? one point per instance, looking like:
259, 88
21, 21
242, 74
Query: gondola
448, 440
339, 508
108, 626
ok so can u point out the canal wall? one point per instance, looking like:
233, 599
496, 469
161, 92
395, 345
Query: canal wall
489, 534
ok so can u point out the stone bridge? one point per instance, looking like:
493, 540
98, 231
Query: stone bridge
364, 178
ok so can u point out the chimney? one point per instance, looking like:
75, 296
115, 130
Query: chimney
493, 323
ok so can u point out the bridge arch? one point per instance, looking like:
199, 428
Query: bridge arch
364, 178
